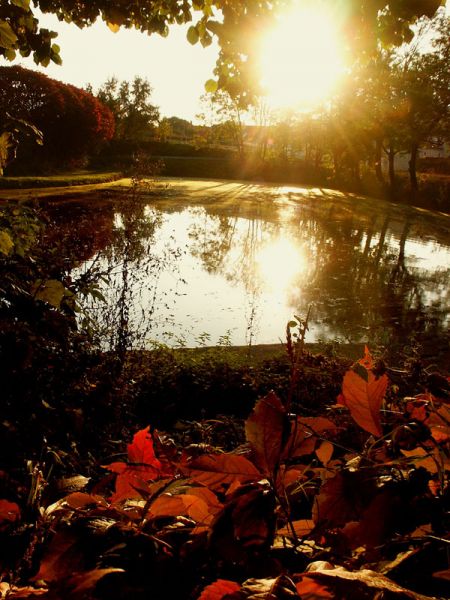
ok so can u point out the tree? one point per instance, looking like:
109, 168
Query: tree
73, 122
136, 118
235, 24
426, 84
223, 115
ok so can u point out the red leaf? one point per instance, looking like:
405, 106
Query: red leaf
219, 589
363, 393
9, 511
143, 466
265, 429
141, 449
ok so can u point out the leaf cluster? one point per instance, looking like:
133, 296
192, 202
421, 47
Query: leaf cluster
234, 24
293, 512
72, 122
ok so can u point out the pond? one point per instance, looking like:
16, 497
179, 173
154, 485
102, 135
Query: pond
204, 263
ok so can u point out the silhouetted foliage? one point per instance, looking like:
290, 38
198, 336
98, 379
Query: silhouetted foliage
74, 124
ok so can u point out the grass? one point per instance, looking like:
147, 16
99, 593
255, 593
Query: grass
59, 180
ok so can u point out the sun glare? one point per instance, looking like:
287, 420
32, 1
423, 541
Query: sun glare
279, 262
302, 57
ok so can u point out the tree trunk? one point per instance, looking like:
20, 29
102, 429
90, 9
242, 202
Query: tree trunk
413, 167
391, 158
378, 169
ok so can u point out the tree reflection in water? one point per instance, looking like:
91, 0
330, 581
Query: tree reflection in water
245, 260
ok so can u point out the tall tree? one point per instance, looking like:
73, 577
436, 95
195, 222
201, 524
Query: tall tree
136, 118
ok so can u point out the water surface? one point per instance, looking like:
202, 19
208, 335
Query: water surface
200, 262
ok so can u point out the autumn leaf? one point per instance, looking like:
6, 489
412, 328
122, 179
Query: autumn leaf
353, 585
302, 528
81, 584
219, 589
342, 498
142, 466
247, 521
324, 452
11, 591
265, 431
363, 394
304, 435
278, 588
9, 511
216, 470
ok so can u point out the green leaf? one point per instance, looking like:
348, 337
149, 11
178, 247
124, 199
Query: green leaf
5, 149
6, 243
192, 35
7, 36
211, 86
25, 4
51, 291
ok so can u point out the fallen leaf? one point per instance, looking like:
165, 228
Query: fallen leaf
363, 394
219, 589
278, 588
354, 585
142, 466
302, 528
324, 452
81, 584
216, 470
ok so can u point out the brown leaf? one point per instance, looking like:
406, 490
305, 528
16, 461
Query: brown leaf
324, 452
343, 498
302, 528
216, 470
219, 590
246, 522
304, 432
183, 504
81, 584
81, 500
265, 431
363, 393
61, 559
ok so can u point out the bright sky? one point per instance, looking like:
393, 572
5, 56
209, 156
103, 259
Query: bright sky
301, 59
176, 70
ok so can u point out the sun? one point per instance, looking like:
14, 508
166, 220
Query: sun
302, 57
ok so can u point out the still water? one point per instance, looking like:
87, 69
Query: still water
204, 263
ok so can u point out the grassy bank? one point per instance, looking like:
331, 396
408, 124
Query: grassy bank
59, 180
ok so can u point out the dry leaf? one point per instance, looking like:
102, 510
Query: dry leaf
219, 589
363, 394
265, 431
324, 452
217, 470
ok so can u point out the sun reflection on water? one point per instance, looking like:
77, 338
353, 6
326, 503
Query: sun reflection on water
279, 263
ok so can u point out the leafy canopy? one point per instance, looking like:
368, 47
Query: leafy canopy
233, 23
